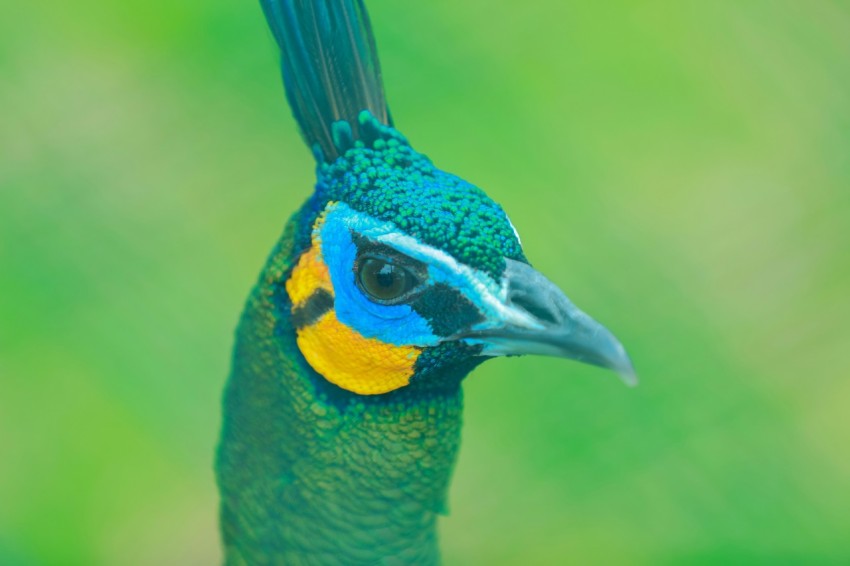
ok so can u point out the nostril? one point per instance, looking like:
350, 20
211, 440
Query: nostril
534, 306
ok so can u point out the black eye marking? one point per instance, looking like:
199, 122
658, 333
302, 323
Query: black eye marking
313, 308
446, 310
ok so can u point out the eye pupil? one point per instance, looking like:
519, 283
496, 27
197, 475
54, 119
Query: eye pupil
387, 276
383, 280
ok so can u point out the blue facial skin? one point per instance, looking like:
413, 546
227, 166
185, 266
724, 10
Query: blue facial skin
392, 324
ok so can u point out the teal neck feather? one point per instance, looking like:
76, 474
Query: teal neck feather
310, 473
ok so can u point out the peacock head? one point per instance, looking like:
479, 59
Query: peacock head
409, 271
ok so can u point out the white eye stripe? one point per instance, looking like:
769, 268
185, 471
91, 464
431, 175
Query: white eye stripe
489, 295
480, 288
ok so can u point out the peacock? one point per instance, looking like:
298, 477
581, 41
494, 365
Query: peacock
342, 413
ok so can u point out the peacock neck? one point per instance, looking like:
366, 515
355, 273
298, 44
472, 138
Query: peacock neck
309, 473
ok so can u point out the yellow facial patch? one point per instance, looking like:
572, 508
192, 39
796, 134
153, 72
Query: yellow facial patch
310, 275
337, 352
347, 359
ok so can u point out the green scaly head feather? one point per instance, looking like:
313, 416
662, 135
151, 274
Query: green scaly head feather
393, 281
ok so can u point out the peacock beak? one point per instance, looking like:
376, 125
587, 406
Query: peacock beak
535, 317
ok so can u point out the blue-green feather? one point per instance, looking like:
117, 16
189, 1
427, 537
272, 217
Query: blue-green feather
330, 69
383, 176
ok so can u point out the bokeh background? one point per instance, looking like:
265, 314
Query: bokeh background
682, 169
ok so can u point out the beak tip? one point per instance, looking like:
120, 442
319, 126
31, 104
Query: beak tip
629, 377
620, 362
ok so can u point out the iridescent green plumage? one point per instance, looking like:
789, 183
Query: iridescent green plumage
311, 474
382, 175
309, 471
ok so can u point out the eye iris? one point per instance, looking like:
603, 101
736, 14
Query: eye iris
384, 280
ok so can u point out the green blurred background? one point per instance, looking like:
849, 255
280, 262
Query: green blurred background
681, 169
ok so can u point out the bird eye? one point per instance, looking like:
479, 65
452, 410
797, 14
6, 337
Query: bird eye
384, 281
